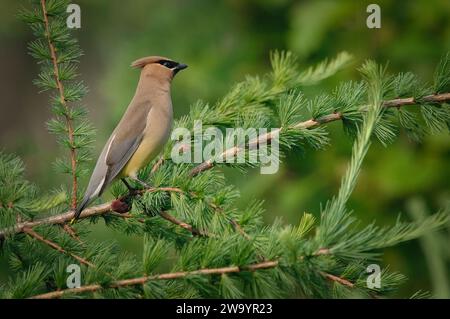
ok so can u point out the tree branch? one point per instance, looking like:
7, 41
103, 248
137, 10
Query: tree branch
337, 279
179, 275
434, 98
166, 276
55, 246
234, 223
71, 232
264, 138
171, 219
73, 155
312, 123
102, 209
157, 165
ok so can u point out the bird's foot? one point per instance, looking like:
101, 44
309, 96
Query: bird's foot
144, 184
131, 189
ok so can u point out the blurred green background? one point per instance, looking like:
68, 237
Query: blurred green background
222, 41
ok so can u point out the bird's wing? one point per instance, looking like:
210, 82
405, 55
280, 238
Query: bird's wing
125, 140
122, 144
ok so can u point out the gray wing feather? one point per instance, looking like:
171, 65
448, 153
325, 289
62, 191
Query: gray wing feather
123, 152
126, 139
122, 144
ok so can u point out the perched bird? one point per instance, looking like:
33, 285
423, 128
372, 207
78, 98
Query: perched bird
141, 133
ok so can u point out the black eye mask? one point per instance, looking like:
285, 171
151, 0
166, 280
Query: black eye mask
168, 64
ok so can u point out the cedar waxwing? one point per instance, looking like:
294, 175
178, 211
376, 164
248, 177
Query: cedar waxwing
141, 133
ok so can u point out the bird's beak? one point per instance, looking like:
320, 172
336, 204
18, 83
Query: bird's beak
180, 67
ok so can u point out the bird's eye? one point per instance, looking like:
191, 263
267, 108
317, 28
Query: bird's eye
168, 64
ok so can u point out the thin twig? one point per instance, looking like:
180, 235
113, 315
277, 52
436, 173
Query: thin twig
55, 246
434, 98
182, 224
170, 218
68, 229
157, 165
188, 227
322, 251
54, 58
337, 279
233, 222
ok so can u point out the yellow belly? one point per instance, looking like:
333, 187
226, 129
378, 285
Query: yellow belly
143, 155
156, 136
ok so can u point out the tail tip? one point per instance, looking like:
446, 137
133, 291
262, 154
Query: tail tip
78, 211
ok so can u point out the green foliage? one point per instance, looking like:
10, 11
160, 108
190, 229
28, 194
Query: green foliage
434, 249
16, 194
442, 75
335, 218
58, 54
324, 69
303, 259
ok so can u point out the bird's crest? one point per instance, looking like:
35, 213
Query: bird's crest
140, 63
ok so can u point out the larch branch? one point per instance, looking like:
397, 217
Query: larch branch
270, 264
55, 246
54, 58
170, 218
188, 227
166, 276
338, 279
157, 165
68, 229
313, 123
65, 217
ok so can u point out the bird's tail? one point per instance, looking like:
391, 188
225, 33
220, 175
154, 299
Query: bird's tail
80, 208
